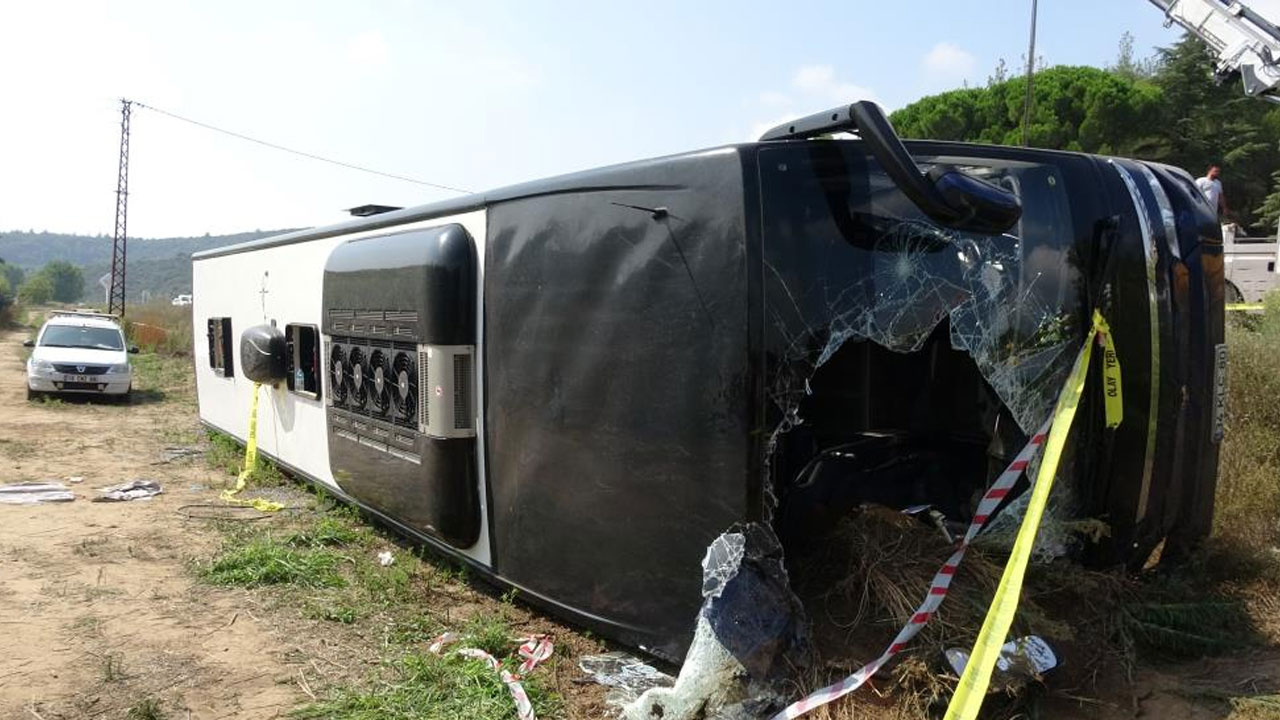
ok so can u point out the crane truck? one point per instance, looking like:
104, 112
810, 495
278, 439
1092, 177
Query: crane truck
1245, 40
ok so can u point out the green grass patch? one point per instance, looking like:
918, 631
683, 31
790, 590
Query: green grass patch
224, 454
323, 565
344, 614
159, 377
227, 455
267, 561
329, 531
420, 685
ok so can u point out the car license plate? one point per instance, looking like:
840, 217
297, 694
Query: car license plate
82, 378
1219, 392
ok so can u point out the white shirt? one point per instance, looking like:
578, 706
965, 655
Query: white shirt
1212, 190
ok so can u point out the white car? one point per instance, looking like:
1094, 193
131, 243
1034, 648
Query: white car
80, 353
180, 300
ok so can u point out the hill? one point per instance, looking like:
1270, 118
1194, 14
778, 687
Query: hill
160, 267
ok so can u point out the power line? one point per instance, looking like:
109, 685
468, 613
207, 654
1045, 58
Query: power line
313, 156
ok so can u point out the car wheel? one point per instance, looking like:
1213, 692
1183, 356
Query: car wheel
32, 394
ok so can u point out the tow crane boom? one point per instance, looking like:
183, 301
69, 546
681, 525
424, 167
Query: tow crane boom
1243, 36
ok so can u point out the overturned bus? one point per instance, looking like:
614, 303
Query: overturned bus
573, 385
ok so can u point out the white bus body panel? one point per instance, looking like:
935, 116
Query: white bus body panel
283, 283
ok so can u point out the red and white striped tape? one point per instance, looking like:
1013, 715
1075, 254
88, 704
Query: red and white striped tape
937, 589
533, 649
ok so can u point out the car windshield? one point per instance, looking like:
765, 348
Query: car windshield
98, 338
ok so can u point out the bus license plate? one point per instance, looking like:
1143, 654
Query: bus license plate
1219, 392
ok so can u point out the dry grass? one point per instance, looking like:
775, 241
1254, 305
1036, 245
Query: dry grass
160, 327
1247, 516
864, 584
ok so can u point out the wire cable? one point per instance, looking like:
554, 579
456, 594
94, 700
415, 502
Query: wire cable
313, 156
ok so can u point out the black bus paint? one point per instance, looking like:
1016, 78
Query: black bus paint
640, 366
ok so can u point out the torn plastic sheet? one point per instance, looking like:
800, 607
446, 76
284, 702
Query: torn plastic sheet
1025, 657
626, 676
132, 490
31, 493
1011, 314
751, 634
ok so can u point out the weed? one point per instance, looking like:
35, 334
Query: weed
414, 630
49, 401
265, 561
490, 633
112, 669
344, 614
224, 453
146, 709
328, 532
266, 474
90, 546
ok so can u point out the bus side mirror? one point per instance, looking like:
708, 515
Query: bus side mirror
949, 196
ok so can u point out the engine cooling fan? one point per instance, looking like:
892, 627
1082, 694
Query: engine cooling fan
404, 373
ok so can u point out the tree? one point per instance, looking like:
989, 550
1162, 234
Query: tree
12, 273
1073, 108
1267, 215
1127, 65
6, 292
1168, 109
66, 279
37, 290
1211, 123
999, 75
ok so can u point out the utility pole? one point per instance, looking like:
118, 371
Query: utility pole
115, 297
1031, 68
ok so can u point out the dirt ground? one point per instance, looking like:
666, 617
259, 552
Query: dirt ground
99, 609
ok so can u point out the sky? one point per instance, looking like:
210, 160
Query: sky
473, 95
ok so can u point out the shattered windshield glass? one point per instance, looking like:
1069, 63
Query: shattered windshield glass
848, 258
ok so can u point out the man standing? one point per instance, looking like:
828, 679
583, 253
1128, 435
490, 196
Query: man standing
1211, 186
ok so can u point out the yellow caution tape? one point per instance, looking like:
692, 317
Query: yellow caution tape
1245, 307
972, 689
251, 464
1112, 391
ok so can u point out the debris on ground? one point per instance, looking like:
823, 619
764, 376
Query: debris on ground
751, 636
75, 479
627, 676
385, 558
534, 649
178, 452
1025, 658
132, 490
30, 493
